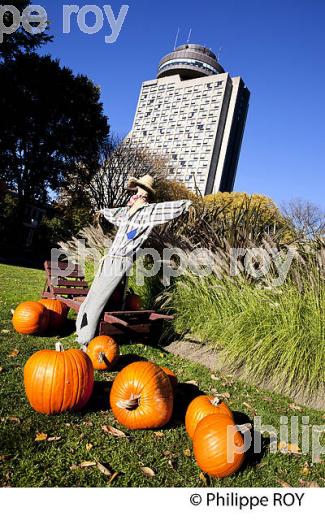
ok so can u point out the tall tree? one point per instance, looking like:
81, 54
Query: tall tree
119, 160
307, 218
20, 40
52, 127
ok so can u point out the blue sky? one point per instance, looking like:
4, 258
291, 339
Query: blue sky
276, 46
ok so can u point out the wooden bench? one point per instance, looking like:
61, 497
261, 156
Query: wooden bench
72, 288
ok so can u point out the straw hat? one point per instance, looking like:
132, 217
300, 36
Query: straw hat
146, 182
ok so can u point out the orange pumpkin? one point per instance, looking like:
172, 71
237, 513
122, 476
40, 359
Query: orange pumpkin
58, 380
172, 377
142, 396
58, 313
217, 443
133, 302
202, 406
103, 352
30, 318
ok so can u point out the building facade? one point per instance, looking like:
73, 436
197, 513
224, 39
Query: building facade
194, 113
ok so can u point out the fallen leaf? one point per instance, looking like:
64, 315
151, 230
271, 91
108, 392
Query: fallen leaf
87, 464
267, 399
87, 423
162, 355
168, 453
54, 439
113, 477
14, 419
249, 406
74, 466
14, 353
225, 395
158, 434
41, 437
187, 452
192, 382
148, 472
104, 470
5, 331
89, 446
305, 470
283, 483
203, 478
289, 448
214, 377
294, 406
107, 428
172, 463
308, 484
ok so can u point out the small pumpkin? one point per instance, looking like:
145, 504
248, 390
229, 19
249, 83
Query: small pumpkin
172, 377
103, 352
217, 446
30, 318
202, 406
58, 380
141, 396
133, 302
58, 312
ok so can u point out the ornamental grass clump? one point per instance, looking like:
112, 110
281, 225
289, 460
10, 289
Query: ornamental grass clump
273, 335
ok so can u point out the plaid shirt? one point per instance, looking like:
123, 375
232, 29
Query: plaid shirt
134, 230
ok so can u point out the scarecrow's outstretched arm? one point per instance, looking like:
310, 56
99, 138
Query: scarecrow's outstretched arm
165, 211
113, 215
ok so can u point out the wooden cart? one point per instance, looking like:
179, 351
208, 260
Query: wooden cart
72, 289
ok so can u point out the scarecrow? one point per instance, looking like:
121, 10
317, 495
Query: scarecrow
135, 223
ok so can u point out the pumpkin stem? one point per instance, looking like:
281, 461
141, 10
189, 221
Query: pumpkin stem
242, 428
59, 347
102, 358
215, 401
129, 404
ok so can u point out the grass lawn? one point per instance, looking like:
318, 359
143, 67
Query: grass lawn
79, 437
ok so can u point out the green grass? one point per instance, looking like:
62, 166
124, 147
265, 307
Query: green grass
26, 462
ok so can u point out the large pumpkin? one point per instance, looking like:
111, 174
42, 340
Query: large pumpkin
30, 318
58, 313
58, 380
142, 396
103, 352
202, 406
217, 443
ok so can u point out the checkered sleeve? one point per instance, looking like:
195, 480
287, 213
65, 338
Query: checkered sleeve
113, 215
165, 211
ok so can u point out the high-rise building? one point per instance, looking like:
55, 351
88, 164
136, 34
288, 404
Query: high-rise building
194, 113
